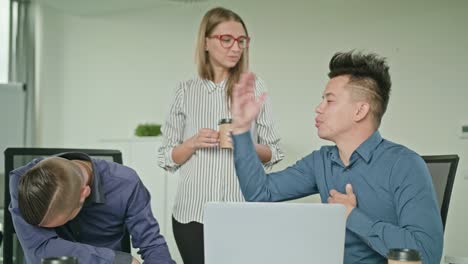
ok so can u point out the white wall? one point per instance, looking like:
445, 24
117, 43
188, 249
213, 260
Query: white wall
4, 39
103, 74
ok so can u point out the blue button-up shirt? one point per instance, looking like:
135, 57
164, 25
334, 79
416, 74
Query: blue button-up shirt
118, 199
396, 203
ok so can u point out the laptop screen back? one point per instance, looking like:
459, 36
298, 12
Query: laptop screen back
274, 233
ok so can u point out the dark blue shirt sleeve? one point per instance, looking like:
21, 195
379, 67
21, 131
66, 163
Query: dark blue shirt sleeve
38, 243
256, 185
419, 223
123, 257
144, 229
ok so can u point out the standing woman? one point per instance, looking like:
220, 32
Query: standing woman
190, 136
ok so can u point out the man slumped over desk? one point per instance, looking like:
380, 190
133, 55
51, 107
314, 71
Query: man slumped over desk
386, 188
72, 205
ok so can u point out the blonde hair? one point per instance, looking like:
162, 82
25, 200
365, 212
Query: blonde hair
210, 21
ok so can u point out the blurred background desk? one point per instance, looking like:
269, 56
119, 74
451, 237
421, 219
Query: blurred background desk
456, 260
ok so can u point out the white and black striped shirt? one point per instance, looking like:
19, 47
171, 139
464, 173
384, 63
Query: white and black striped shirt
209, 174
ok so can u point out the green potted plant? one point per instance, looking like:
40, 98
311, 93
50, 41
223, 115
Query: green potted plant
148, 130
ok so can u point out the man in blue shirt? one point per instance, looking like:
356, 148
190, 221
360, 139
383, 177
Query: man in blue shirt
385, 187
72, 205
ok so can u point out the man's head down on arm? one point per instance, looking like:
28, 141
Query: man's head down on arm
53, 192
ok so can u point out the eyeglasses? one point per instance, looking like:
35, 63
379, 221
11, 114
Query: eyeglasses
227, 41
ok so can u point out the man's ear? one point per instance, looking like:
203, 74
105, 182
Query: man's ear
362, 111
84, 193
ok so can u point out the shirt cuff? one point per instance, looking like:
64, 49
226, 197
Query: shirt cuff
359, 223
276, 156
169, 158
170, 164
123, 257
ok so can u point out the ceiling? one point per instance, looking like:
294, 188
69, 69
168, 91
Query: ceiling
99, 7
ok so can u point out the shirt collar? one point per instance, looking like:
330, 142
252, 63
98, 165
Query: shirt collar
366, 149
97, 192
211, 86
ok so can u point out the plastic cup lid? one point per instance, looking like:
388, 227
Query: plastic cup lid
225, 121
404, 254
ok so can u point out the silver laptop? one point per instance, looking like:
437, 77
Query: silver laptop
274, 233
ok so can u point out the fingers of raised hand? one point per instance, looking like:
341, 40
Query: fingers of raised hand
250, 80
246, 83
261, 98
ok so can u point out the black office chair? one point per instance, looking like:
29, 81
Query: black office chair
443, 169
17, 157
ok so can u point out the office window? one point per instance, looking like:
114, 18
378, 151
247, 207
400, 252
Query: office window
4, 39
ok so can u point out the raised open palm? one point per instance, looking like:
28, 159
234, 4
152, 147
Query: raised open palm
245, 107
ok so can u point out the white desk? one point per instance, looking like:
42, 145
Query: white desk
456, 260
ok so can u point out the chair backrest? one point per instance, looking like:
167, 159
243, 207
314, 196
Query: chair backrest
17, 157
443, 169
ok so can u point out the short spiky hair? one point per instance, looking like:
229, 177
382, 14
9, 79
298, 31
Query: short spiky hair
369, 78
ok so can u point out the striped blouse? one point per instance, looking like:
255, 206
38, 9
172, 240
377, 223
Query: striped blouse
209, 174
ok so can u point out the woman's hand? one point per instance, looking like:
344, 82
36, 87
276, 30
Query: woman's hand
205, 138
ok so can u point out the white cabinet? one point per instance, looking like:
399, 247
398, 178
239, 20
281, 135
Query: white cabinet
141, 155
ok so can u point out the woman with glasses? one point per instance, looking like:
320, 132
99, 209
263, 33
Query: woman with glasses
191, 136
